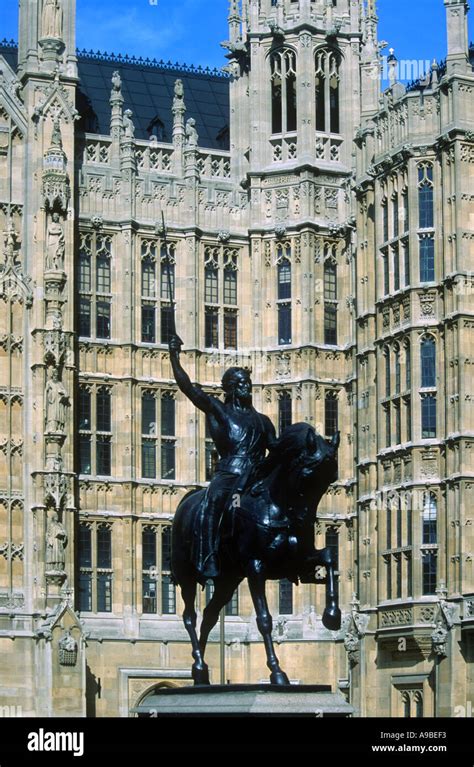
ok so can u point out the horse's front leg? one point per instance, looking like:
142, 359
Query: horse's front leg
256, 580
332, 614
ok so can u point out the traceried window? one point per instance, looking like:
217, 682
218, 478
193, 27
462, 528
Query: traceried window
95, 567
283, 91
284, 411
327, 91
331, 415
427, 258
158, 457
330, 301
95, 430
158, 590
428, 386
157, 275
425, 196
429, 543
428, 362
95, 288
220, 297
284, 291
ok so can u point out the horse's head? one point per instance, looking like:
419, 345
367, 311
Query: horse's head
309, 461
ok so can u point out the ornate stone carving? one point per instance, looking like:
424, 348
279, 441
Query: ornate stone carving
55, 486
439, 639
14, 285
55, 190
401, 617
67, 646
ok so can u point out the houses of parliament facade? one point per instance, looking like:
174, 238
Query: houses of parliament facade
320, 232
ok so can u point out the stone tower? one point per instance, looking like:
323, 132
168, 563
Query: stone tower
38, 304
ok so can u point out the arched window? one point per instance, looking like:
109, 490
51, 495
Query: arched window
428, 362
331, 414
425, 196
283, 81
388, 372
284, 411
327, 91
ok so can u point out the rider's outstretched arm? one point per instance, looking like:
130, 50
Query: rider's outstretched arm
199, 398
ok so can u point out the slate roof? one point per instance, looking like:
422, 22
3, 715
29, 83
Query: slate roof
148, 89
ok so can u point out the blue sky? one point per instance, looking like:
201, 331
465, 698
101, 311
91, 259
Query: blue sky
190, 30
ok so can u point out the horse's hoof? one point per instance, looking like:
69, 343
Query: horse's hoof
200, 675
332, 618
279, 677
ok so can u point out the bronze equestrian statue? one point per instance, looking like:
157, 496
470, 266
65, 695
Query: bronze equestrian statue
256, 518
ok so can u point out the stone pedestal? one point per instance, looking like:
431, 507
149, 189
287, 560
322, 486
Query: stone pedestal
246, 700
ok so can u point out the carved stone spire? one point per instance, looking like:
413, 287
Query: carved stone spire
234, 20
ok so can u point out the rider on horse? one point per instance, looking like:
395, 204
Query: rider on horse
242, 437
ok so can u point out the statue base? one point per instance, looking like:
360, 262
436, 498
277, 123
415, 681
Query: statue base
246, 700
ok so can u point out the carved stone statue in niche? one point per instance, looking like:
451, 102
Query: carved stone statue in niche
56, 402
52, 19
56, 542
191, 133
55, 245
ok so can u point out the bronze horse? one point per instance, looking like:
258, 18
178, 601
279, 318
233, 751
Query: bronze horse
267, 534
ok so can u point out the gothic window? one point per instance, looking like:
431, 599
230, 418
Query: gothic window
284, 411
405, 211
284, 293
158, 590
385, 220
156, 310
430, 516
395, 215
428, 416
386, 272
330, 302
94, 281
396, 266
95, 444
428, 381
285, 597
327, 82
406, 261
425, 196
427, 259
398, 369
330, 413
283, 91
388, 372
428, 362
429, 543
412, 703
388, 425
95, 567
407, 365
158, 408
220, 297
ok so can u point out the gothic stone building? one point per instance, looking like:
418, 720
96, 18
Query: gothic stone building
321, 233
